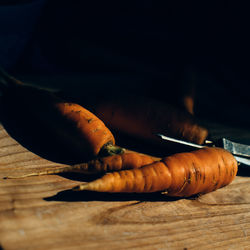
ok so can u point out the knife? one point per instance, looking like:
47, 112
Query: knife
240, 151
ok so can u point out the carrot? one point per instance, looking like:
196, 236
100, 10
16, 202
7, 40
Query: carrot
143, 117
182, 174
127, 160
81, 130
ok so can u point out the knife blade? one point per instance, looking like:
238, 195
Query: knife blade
236, 148
240, 151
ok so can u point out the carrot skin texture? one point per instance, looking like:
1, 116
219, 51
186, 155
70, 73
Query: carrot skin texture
181, 175
127, 160
89, 128
140, 180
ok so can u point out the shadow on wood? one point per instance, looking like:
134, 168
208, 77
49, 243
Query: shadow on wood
74, 196
34, 136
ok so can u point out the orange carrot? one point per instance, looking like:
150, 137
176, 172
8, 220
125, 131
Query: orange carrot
80, 129
127, 160
143, 117
182, 174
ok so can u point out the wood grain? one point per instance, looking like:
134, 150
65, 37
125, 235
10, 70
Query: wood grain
42, 213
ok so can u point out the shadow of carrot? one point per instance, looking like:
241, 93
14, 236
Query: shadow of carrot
73, 196
34, 136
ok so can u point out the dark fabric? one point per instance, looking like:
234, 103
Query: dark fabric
154, 43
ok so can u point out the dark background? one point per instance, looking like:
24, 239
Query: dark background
145, 47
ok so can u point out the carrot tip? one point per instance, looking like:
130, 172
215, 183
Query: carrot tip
20, 176
13, 177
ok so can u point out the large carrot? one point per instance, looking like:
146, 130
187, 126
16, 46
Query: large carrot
82, 131
143, 117
127, 160
182, 174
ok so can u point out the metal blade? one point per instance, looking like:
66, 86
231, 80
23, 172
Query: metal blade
240, 151
242, 160
167, 138
237, 149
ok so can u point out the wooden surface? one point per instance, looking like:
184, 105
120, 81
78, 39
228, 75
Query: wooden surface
42, 213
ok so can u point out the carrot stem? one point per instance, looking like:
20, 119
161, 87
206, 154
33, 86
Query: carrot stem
110, 149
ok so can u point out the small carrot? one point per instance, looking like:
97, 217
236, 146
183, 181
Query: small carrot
182, 174
82, 131
127, 160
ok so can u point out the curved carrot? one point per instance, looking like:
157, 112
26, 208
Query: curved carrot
182, 174
127, 160
81, 130
87, 129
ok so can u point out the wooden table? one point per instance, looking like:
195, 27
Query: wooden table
42, 213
